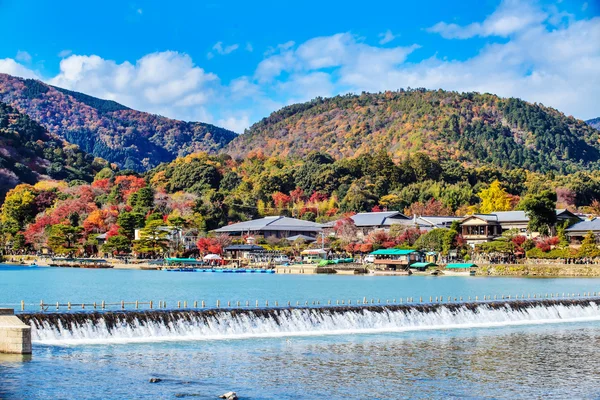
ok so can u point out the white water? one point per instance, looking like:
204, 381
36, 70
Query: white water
224, 326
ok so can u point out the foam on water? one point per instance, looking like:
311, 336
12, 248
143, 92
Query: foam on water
179, 325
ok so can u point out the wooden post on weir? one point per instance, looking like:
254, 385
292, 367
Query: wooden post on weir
122, 305
203, 304
68, 305
22, 305
136, 304
103, 304
218, 303
57, 305
179, 304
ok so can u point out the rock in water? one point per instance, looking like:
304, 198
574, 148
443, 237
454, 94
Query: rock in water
229, 396
155, 380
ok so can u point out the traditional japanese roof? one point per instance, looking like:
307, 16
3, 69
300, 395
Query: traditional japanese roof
521, 216
511, 216
303, 237
585, 226
392, 252
276, 223
461, 265
384, 218
428, 222
490, 219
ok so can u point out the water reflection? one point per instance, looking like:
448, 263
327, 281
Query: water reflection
552, 361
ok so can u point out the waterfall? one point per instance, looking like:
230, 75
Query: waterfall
218, 324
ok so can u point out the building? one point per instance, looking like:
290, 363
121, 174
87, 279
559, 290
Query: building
396, 259
368, 222
277, 227
429, 222
576, 232
174, 235
480, 228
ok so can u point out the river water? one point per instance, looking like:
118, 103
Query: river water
537, 352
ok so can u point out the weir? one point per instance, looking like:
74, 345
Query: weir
240, 323
15, 336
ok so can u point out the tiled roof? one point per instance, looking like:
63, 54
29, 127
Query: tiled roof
585, 226
277, 223
383, 218
511, 216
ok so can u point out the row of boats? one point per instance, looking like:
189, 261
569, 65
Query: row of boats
221, 270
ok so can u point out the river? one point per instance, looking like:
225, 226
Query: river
545, 352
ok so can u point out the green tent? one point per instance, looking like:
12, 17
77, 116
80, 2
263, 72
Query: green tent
423, 265
461, 266
392, 252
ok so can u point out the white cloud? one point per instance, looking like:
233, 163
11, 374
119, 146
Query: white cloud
249, 47
510, 17
221, 49
387, 37
235, 123
167, 83
11, 67
64, 53
342, 50
280, 47
23, 57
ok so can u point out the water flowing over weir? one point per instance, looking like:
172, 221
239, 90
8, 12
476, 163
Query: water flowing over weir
218, 324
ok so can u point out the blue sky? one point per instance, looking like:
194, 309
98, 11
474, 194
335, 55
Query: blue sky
232, 63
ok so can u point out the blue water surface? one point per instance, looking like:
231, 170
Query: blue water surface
51, 285
551, 361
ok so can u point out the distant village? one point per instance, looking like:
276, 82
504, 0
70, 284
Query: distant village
384, 242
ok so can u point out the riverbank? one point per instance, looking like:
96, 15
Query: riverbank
540, 270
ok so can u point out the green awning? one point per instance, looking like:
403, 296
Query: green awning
392, 252
183, 260
461, 265
423, 265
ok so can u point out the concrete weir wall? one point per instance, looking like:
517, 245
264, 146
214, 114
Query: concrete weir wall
15, 336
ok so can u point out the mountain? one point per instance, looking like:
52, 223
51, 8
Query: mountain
473, 128
594, 123
131, 139
28, 154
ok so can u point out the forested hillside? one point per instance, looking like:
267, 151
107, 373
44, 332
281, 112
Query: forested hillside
479, 129
29, 154
132, 139
595, 122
